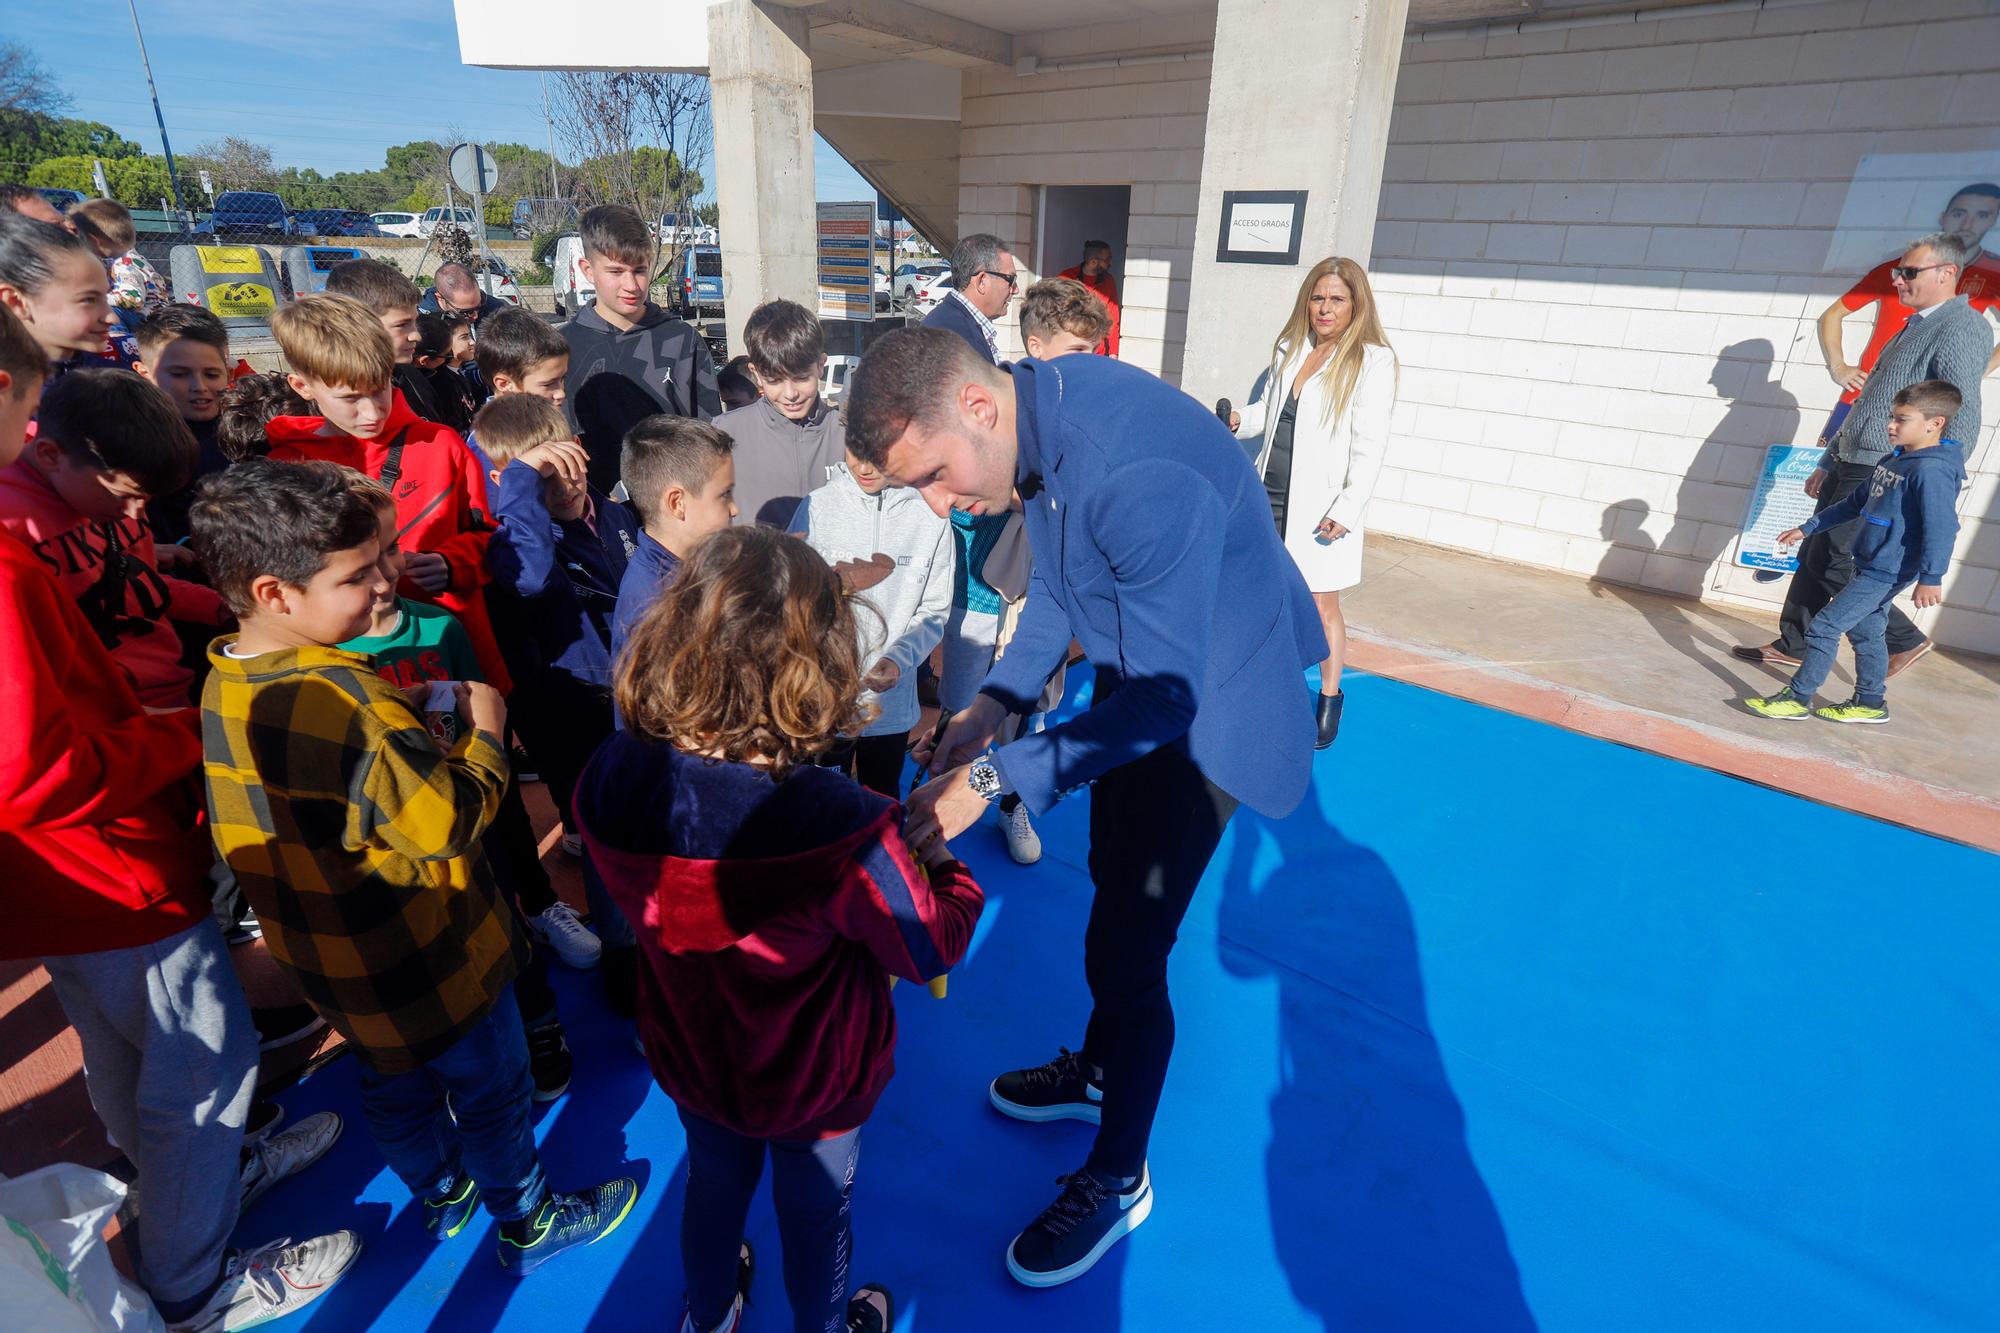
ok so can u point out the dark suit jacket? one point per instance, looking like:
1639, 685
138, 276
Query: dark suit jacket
1153, 545
952, 315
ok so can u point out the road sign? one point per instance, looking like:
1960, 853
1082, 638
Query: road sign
207, 183
473, 169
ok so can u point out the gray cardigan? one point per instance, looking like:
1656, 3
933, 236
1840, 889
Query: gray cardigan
1951, 343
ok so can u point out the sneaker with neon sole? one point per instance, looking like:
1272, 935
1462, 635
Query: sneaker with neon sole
1784, 706
447, 1212
564, 1222
1854, 711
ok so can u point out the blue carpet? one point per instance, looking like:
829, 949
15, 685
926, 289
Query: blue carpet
1507, 1028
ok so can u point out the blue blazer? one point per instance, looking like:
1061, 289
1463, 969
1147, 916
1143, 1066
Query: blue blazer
951, 315
1153, 545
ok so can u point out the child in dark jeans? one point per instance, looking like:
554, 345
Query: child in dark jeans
358, 841
776, 895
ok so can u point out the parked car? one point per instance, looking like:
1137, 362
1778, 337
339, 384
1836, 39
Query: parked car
334, 222
534, 215
683, 229
250, 214
496, 279
911, 276
396, 224
931, 290
63, 200
428, 223
698, 282
882, 291
573, 288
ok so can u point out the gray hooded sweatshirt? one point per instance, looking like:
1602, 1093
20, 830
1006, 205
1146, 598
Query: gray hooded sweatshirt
843, 522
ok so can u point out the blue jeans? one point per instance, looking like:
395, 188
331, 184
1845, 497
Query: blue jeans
481, 1083
1861, 612
812, 1187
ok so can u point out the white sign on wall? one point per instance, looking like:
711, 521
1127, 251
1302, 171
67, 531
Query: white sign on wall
1261, 227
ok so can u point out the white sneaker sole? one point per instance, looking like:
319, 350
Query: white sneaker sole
1122, 1228
1043, 1115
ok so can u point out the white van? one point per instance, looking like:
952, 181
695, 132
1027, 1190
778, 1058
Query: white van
573, 288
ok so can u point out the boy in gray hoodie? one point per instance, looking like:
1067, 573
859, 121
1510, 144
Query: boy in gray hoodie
1909, 519
890, 549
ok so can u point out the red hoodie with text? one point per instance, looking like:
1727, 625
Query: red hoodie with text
101, 844
440, 499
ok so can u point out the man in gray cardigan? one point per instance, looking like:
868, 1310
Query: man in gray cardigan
1945, 339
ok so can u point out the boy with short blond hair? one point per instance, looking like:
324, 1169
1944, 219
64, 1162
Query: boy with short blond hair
392, 928
790, 442
1060, 316
648, 361
394, 299
342, 362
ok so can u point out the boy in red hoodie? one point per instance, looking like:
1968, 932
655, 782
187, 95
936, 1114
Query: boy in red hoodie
772, 897
106, 883
104, 443
343, 363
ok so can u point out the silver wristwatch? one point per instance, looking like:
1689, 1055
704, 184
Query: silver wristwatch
984, 778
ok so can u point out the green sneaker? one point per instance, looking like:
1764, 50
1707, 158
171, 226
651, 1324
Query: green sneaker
563, 1222
1854, 711
447, 1214
1784, 706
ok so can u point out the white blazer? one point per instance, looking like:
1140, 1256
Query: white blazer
1334, 463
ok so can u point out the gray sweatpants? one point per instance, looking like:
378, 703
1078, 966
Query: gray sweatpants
170, 1056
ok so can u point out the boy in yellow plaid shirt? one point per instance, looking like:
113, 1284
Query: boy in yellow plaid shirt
357, 839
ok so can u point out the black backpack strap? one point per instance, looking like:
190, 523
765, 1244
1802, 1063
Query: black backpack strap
392, 467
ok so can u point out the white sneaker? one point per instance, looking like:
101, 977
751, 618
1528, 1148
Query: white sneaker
281, 1155
573, 941
273, 1281
572, 844
1023, 843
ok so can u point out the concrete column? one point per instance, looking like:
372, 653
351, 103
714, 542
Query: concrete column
1299, 100
761, 97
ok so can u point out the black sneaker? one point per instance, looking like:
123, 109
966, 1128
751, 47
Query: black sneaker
1058, 1090
563, 1222
285, 1024
871, 1309
524, 766
619, 968
1072, 1234
549, 1061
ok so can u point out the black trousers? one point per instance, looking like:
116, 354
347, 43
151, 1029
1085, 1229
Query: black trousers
876, 762
1154, 824
511, 855
1826, 565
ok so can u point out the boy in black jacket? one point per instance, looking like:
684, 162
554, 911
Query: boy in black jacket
628, 359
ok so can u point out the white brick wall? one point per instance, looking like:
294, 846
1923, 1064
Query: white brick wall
1140, 124
1599, 260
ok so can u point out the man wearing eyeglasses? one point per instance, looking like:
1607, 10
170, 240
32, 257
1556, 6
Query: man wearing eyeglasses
457, 292
1943, 338
983, 279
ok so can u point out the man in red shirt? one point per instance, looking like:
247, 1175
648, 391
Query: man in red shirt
1971, 212
1095, 273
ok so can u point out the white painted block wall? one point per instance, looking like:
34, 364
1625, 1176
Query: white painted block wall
1599, 255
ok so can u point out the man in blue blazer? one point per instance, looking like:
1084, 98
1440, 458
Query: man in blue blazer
1153, 547
983, 279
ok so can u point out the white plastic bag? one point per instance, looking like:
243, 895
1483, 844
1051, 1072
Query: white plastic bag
56, 1274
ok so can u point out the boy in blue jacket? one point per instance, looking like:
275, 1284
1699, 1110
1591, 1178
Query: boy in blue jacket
557, 558
1909, 515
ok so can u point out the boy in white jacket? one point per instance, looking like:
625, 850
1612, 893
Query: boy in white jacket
889, 548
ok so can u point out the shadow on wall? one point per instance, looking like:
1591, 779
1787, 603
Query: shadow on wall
1378, 1211
1624, 522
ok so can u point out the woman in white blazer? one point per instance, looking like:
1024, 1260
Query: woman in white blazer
1324, 422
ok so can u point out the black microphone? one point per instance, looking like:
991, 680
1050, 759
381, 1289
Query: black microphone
1222, 410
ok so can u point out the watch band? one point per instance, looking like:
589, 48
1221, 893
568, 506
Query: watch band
984, 778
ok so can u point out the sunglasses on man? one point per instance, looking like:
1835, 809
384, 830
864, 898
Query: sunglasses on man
1908, 272
1009, 278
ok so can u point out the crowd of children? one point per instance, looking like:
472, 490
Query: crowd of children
271, 636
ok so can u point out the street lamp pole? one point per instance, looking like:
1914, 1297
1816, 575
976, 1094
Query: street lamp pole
173, 172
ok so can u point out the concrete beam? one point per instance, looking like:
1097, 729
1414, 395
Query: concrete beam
761, 98
521, 34
896, 18
894, 89
1327, 136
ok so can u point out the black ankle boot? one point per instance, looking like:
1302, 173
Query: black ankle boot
1329, 719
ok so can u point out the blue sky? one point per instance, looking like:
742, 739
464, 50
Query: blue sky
330, 92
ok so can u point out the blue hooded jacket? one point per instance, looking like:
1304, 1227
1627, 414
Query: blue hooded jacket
1909, 515
566, 576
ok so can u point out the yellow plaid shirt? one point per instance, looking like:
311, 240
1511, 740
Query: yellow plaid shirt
357, 840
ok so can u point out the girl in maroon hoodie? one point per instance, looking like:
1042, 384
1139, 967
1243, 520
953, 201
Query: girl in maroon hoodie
773, 901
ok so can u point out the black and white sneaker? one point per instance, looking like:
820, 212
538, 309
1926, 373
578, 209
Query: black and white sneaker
549, 1061
1072, 1234
1058, 1090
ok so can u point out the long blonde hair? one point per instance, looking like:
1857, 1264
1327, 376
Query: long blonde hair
1343, 369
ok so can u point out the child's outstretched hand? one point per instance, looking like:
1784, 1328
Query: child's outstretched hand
1789, 538
1928, 594
882, 676
429, 571
559, 458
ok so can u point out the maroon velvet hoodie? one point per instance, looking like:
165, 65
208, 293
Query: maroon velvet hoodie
771, 916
